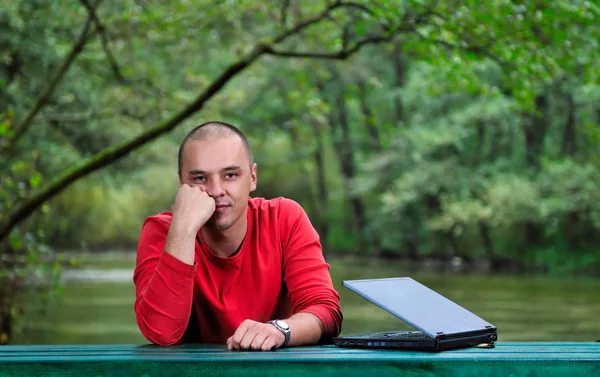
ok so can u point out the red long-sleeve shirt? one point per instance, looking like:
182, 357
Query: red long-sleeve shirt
279, 271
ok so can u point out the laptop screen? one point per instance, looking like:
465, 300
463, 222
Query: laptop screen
418, 305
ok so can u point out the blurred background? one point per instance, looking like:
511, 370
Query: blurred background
455, 142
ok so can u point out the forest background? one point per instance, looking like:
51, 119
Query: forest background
456, 134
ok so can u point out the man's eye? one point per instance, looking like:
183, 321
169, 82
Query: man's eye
231, 175
199, 179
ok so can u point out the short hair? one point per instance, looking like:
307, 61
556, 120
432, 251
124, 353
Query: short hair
213, 129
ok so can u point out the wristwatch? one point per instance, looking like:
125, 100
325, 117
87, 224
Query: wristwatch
284, 328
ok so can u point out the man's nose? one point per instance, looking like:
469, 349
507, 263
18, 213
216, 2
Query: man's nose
215, 189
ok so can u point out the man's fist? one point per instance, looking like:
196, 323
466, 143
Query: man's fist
257, 336
192, 208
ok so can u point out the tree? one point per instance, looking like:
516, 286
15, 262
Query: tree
110, 29
268, 47
87, 103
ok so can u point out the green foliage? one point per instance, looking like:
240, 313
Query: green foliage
461, 165
27, 266
107, 212
458, 129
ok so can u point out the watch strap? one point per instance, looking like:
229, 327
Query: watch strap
286, 332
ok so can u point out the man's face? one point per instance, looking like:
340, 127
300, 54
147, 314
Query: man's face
220, 167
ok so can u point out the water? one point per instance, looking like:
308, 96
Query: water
100, 311
522, 308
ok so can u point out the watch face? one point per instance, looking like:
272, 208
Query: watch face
283, 325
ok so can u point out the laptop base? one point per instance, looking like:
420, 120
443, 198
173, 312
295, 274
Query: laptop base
411, 341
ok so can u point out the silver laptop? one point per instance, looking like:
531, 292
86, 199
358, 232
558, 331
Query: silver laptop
440, 324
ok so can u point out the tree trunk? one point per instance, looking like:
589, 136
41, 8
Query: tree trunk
411, 235
573, 225
323, 193
480, 131
573, 230
340, 136
494, 151
569, 142
399, 79
7, 286
533, 233
534, 128
14, 67
5, 327
345, 154
441, 238
497, 145
488, 246
314, 207
369, 118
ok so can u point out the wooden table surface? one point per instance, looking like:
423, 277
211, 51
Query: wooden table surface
505, 359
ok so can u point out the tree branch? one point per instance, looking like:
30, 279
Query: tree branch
111, 58
364, 8
320, 17
86, 116
22, 210
66, 134
77, 48
72, 117
339, 55
408, 25
285, 5
470, 48
104, 40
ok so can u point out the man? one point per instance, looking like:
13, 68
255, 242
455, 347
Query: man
223, 267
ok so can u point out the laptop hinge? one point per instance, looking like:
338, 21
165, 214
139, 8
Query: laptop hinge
442, 335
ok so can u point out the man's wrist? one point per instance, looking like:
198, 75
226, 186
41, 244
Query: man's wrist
182, 230
284, 328
180, 242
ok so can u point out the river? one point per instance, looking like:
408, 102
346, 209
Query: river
97, 305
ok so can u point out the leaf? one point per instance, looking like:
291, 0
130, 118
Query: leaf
35, 179
16, 242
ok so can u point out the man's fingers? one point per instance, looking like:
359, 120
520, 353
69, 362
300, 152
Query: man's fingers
258, 341
247, 340
238, 336
251, 335
268, 344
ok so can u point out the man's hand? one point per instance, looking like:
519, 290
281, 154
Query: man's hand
192, 208
257, 336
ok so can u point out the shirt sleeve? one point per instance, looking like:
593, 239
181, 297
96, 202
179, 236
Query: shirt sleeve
306, 274
164, 287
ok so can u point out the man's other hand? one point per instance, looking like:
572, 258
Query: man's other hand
256, 336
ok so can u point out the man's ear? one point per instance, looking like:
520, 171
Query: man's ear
253, 177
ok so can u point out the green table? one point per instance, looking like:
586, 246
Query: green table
506, 359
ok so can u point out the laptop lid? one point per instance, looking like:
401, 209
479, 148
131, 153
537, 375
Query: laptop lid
419, 306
